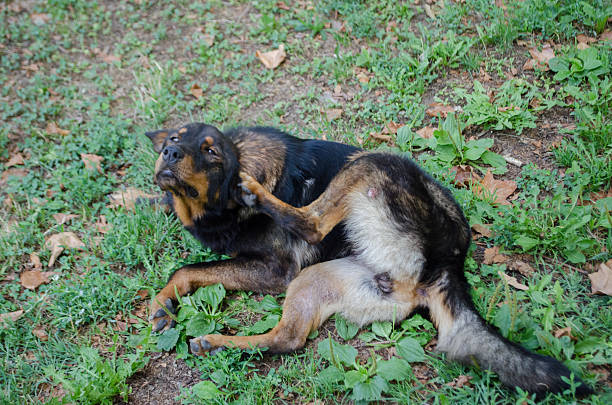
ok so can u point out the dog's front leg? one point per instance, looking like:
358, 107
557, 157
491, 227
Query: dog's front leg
235, 274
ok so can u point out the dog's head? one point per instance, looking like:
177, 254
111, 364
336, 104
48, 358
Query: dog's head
198, 164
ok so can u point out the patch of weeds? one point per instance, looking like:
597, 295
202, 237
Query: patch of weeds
509, 109
451, 148
79, 300
552, 224
94, 379
370, 380
577, 66
198, 314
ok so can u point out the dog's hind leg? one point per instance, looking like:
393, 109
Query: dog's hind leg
342, 285
314, 221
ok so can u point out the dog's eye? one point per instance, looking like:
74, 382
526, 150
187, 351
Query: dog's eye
174, 139
211, 151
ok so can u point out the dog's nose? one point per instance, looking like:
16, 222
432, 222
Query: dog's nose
171, 154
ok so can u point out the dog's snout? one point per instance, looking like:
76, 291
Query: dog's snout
171, 154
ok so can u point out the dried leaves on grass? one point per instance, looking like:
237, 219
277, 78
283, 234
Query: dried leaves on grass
601, 281
499, 189
127, 198
272, 59
34, 278
58, 242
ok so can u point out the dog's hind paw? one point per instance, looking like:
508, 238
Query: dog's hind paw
162, 316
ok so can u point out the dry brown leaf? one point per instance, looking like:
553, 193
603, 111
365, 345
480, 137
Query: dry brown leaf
513, 281
15, 160
585, 39
56, 244
429, 11
34, 278
426, 132
489, 187
539, 59
464, 175
391, 128
582, 45
524, 268
439, 110
281, 5
101, 225
483, 230
460, 382
109, 58
40, 19
12, 172
143, 294
61, 218
601, 281
127, 198
92, 162
606, 36
381, 137
333, 113
363, 78
567, 331
492, 255
53, 129
196, 91
40, 333
272, 59
35, 261
10, 315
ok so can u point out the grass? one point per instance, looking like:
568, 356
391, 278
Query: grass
90, 77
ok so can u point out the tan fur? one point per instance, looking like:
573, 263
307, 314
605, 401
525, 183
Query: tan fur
264, 160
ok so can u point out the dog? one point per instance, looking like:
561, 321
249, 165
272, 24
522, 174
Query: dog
340, 230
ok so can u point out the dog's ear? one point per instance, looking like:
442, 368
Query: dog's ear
158, 138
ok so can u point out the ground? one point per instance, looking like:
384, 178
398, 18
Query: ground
507, 103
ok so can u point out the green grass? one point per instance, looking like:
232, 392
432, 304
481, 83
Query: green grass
57, 69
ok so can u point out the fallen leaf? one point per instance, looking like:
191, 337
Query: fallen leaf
567, 331
10, 315
524, 268
120, 326
513, 281
40, 333
61, 218
281, 5
606, 36
35, 261
127, 198
539, 59
272, 59
601, 281
208, 39
426, 132
143, 294
56, 244
101, 225
15, 160
429, 11
34, 278
492, 255
109, 58
439, 110
196, 91
53, 129
489, 187
582, 46
460, 382
40, 19
333, 113
363, 78
12, 172
464, 175
483, 230
381, 137
585, 39
92, 161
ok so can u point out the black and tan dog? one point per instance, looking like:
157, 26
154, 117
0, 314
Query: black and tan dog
367, 235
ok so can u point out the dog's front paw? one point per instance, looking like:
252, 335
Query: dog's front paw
200, 345
162, 316
384, 283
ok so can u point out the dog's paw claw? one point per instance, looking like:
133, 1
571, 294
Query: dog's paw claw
160, 325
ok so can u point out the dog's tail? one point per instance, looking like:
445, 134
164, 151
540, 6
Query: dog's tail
466, 337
